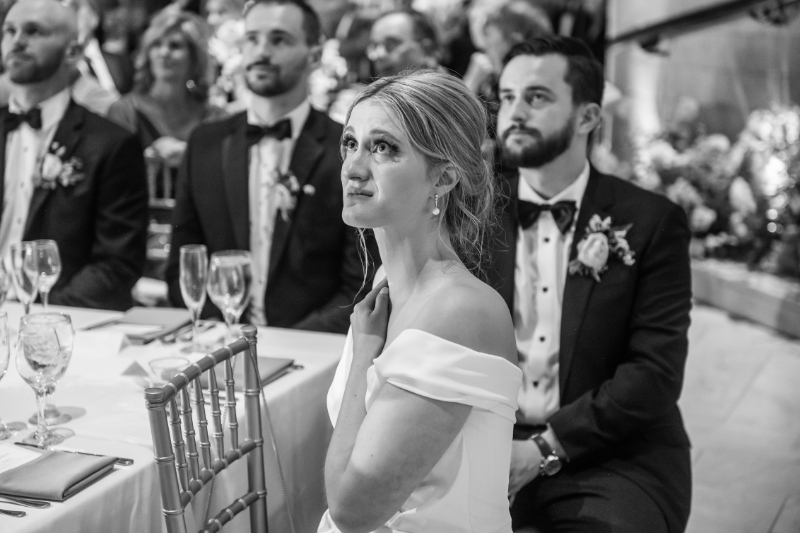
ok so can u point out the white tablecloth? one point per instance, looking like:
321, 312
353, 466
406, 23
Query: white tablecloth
112, 419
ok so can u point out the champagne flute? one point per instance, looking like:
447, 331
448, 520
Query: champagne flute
193, 276
25, 272
48, 263
229, 279
6, 430
5, 283
43, 352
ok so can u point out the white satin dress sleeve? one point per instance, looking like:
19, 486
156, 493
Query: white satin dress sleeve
467, 489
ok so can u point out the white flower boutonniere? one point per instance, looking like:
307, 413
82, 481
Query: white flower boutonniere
601, 241
286, 190
53, 169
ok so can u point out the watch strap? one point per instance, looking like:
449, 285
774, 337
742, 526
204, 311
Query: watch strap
544, 447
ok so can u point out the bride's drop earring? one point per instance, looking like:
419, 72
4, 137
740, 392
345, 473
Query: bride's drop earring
436, 204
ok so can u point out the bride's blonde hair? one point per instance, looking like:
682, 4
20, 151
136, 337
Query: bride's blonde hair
447, 124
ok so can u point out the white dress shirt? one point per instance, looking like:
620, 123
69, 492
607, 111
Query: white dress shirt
267, 158
25, 148
540, 275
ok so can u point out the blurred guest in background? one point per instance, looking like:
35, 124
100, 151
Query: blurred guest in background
113, 71
402, 40
170, 97
68, 174
504, 25
268, 180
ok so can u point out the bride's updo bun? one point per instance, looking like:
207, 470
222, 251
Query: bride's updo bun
447, 124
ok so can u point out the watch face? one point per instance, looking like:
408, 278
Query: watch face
551, 465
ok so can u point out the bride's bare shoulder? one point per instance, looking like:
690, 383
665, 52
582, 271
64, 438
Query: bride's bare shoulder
470, 313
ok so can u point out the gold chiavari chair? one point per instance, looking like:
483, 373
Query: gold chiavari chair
183, 467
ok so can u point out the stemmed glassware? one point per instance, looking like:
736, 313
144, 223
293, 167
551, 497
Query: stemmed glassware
6, 430
48, 264
25, 272
44, 349
229, 279
5, 283
193, 276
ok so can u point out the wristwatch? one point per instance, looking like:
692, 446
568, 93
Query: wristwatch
551, 464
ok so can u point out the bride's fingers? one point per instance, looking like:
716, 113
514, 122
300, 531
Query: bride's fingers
369, 299
382, 301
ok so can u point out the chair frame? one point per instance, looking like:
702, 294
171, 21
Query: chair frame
179, 471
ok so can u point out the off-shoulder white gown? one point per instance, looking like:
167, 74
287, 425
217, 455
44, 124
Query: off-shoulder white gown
466, 492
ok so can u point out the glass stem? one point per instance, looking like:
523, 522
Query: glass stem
45, 294
41, 429
195, 328
229, 318
27, 307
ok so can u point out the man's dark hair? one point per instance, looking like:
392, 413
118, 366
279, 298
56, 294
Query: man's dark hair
520, 21
311, 24
584, 71
421, 28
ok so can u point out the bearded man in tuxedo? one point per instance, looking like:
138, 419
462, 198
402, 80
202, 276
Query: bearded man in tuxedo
596, 274
68, 174
268, 180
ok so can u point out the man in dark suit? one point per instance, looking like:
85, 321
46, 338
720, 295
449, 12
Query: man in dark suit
68, 175
268, 180
596, 274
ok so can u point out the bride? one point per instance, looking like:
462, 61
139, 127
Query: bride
424, 397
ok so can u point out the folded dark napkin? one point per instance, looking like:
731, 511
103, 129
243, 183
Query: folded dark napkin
54, 476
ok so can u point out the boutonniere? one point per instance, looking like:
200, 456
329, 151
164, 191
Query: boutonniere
601, 240
53, 169
286, 190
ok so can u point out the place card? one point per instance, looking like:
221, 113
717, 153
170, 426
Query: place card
13, 456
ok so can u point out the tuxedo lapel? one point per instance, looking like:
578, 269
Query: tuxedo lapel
67, 136
596, 200
236, 177
3, 140
504, 258
307, 150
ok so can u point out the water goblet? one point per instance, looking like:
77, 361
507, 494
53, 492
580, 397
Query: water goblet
11, 429
44, 348
25, 272
48, 263
193, 276
229, 279
5, 283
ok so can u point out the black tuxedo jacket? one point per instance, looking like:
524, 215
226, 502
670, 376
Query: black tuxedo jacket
314, 268
121, 69
623, 343
100, 222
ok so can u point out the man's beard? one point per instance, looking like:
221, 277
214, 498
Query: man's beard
32, 71
267, 87
541, 151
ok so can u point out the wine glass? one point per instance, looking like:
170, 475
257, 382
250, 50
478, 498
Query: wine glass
229, 279
6, 430
44, 348
48, 263
193, 276
25, 272
5, 283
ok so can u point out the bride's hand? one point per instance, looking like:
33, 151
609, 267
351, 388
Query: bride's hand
370, 319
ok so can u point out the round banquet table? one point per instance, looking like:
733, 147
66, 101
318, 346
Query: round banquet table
110, 418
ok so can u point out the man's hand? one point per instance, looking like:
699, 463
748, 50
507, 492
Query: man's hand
525, 461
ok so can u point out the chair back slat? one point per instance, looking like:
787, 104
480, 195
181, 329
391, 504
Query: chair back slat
165, 461
202, 423
255, 461
170, 407
190, 435
178, 445
230, 402
216, 414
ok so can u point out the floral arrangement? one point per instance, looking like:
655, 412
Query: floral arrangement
601, 240
287, 189
53, 169
743, 198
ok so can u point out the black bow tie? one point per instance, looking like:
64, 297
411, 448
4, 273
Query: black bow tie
33, 117
281, 130
563, 213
